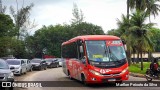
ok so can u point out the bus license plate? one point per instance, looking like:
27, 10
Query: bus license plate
112, 79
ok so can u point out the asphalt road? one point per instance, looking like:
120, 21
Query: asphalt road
56, 74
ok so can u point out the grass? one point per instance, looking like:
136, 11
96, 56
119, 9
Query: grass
136, 68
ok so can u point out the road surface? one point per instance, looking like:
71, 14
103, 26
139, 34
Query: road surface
56, 74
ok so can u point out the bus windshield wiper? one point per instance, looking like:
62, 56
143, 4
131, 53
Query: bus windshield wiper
119, 61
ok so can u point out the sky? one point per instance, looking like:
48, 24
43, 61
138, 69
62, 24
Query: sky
103, 13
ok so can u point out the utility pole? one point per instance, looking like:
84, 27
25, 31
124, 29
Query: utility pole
128, 9
1, 9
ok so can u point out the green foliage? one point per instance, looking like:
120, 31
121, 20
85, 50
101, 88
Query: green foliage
135, 68
6, 25
155, 37
51, 37
6, 33
115, 32
21, 17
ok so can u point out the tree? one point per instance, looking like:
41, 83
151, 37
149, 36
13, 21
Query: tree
6, 26
85, 28
123, 30
21, 17
153, 8
114, 32
2, 8
6, 33
149, 6
77, 14
139, 32
155, 36
22, 24
51, 37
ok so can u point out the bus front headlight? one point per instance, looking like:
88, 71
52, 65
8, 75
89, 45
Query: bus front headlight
126, 69
95, 73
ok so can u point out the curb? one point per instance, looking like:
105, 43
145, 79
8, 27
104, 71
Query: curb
137, 75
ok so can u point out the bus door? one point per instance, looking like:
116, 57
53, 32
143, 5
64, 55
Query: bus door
81, 63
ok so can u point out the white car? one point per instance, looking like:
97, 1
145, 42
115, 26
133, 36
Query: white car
60, 60
19, 65
28, 64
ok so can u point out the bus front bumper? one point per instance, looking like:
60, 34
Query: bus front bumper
91, 78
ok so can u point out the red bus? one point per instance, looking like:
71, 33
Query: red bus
95, 59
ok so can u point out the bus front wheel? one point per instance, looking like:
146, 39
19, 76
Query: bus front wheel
84, 80
69, 75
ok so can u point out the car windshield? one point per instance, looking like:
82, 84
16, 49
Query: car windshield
35, 61
3, 65
13, 62
98, 51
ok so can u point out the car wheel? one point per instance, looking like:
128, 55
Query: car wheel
40, 68
25, 71
31, 69
57, 66
45, 68
20, 73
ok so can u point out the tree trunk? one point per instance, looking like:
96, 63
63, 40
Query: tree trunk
141, 62
137, 61
128, 9
129, 57
149, 56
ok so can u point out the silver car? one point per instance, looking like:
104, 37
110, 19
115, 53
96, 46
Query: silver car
19, 65
60, 60
5, 73
28, 64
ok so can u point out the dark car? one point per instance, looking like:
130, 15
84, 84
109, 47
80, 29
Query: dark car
39, 64
5, 73
52, 63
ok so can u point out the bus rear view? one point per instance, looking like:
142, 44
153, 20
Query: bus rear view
99, 59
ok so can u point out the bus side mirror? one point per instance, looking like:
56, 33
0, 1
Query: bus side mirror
81, 49
80, 42
84, 60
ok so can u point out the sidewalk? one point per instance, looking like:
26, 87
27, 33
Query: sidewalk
137, 75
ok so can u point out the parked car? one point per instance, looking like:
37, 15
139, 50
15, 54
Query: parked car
60, 60
5, 73
19, 65
28, 64
39, 64
52, 63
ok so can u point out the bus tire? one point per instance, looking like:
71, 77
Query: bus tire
118, 82
84, 80
69, 75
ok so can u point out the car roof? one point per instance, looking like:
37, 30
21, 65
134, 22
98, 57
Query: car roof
15, 59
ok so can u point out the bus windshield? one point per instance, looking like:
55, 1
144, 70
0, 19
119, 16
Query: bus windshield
100, 51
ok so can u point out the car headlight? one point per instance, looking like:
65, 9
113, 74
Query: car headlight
95, 73
17, 67
37, 64
126, 69
11, 75
48, 63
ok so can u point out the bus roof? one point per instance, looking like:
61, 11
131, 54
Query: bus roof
92, 37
